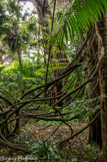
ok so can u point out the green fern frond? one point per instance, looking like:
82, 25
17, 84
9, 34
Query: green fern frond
78, 16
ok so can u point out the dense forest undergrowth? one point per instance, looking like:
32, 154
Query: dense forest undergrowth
53, 80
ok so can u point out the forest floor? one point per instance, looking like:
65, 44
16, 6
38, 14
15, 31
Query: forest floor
76, 150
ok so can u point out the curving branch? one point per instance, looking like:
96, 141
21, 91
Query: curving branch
76, 134
3, 98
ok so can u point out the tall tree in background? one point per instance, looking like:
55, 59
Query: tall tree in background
46, 21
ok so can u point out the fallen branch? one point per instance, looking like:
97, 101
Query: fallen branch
49, 119
14, 146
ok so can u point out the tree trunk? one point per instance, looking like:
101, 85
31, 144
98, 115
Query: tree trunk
103, 89
94, 91
1, 59
43, 13
19, 56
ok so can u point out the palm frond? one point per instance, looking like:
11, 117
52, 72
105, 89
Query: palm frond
78, 16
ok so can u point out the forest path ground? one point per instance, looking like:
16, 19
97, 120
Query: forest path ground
76, 149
